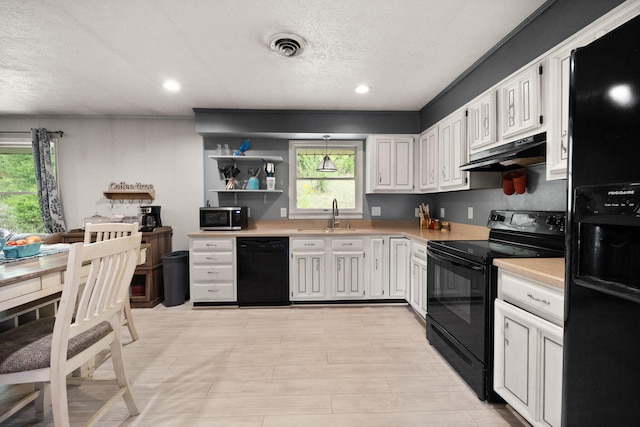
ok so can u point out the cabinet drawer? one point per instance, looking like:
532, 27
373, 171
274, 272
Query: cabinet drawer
213, 292
307, 244
531, 296
347, 245
19, 289
212, 244
210, 273
212, 257
419, 250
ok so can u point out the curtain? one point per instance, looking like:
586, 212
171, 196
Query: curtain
50, 204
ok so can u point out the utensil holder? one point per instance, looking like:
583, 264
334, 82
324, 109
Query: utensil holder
271, 183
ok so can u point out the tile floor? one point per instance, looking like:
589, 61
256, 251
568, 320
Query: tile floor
265, 367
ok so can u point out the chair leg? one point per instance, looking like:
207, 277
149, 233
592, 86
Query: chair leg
121, 375
59, 402
129, 317
43, 400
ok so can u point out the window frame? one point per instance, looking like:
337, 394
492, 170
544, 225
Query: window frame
354, 213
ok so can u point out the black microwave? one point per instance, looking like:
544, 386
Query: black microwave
224, 218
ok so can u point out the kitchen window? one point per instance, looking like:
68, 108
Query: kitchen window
311, 192
19, 206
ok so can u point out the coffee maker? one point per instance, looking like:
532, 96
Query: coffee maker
150, 218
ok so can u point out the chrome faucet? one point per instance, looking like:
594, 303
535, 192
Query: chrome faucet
334, 214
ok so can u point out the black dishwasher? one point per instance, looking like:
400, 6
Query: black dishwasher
263, 271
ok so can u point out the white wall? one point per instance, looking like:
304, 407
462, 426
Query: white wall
165, 152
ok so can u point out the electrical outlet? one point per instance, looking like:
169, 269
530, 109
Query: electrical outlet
283, 212
441, 213
249, 212
417, 212
376, 211
470, 212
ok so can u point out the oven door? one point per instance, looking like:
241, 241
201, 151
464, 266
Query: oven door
457, 298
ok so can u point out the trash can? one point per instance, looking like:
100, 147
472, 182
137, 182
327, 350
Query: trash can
175, 267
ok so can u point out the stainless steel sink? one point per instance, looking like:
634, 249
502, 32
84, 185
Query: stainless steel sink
326, 230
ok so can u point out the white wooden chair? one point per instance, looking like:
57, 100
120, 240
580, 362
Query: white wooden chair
88, 321
108, 231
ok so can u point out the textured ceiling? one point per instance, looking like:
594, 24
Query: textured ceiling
110, 57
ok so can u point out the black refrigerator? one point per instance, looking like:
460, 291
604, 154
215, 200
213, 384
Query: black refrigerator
601, 378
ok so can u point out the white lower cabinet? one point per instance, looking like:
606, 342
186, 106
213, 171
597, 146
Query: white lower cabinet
307, 269
347, 268
212, 269
398, 267
528, 351
417, 296
377, 268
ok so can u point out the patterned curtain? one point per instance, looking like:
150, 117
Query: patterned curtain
50, 204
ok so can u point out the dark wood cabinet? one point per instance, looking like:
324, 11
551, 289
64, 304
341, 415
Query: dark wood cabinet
147, 286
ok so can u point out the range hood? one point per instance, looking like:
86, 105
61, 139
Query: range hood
513, 155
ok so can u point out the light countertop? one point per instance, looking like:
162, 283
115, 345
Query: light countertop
549, 271
314, 228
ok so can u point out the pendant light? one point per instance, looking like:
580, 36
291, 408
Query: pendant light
326, 165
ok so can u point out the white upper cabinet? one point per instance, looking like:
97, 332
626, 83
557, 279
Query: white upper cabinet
520, 102
558, 128
481, 122
452, 151
428, 161
390, 163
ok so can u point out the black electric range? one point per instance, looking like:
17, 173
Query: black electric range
462, 285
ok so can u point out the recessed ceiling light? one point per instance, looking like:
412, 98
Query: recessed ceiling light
363, 89
171, 86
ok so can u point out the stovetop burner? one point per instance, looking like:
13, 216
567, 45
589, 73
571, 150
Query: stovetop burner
513, 234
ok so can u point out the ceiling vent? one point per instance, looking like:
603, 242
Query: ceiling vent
287, 44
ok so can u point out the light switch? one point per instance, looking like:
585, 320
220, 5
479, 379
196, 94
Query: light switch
470, 212
441, 213
283, 212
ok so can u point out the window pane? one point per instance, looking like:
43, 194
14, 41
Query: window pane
19, 209
20, 213
307, 162
319, 193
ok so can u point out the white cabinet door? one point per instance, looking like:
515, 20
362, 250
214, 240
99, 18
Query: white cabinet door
452, 150
347, 268
348, 274
398, 267
551, 377
520, 102
307, 276
528, 364
307, 269
428, 164
481, 122
418, 286
390, 164
558, 131
514, 358
378, 267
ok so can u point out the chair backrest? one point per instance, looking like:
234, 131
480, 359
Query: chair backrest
87, 303
110, 230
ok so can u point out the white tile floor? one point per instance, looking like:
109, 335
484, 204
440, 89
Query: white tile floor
266, 367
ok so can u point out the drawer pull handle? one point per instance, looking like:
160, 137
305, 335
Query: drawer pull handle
214, 245
213, 290
212, 258
538, 299
213, 272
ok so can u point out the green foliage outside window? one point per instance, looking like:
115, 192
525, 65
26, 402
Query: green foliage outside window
19, 208
316, 190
